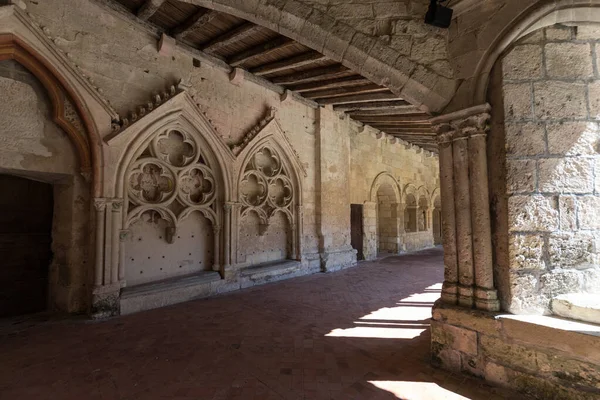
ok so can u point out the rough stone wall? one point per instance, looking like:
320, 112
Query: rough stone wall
551, 363
398, 24
551, 84
33, 146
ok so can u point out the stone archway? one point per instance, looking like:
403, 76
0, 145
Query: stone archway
387, 220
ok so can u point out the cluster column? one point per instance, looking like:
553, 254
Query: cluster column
466, 225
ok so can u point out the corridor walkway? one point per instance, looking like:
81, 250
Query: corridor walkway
357, 334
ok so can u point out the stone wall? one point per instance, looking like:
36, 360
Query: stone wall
328, 152
559, 361
550, 87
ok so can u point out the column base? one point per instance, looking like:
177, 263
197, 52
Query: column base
449, 292
465, 296
105, 301
487, 299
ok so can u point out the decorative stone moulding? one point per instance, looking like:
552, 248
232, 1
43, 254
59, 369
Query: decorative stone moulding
251, 134
140, 111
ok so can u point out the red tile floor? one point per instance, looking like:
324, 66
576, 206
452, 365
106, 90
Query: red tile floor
361, 333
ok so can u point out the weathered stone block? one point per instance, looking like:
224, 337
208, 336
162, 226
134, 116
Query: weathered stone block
526, 252
580, 306
533, 213
525, 139
520, 176
455, 338
558, 282
573, 138
588, 32
588, 210
525, 296
568, 213
594, 99
571, 250
518, 101
569, 60
555, 100
523, 62
559, 33
566, 175
496, 374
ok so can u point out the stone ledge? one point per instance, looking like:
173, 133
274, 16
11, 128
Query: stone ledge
167, 292
271, 268
579, 306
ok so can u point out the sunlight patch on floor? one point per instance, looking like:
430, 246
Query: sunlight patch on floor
407, 390
405, 321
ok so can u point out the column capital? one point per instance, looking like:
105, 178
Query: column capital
462, 124
100, 203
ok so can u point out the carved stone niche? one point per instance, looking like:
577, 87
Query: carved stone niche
269, 195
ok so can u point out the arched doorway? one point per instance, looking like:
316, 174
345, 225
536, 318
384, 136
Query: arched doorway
26, 208
387, 220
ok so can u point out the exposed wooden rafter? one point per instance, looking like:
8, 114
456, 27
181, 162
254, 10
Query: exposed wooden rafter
354, 80
228, 38
387, 105
194, 23
262, 50
149, 8
313, 75
360, 98
298, 61
345, 91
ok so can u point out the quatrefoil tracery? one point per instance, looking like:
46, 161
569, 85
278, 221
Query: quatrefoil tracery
265, 187
172, 176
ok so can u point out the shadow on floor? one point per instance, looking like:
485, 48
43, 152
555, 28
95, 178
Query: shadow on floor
362, 333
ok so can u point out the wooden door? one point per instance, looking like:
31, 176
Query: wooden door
26, 209
356, 229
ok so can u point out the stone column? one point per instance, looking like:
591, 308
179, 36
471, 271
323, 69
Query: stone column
450, 286
100, 206
216, 240
466, 226
124, 235
486, 297
462, 204
117, 205
227, 236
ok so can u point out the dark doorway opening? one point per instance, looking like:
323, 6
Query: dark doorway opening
26, 209
356, 229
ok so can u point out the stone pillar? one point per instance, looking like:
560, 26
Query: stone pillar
462, 205
450, 286
100, 206
117, 205
227, 236
466, 226
124, 235
217, 251
486, 297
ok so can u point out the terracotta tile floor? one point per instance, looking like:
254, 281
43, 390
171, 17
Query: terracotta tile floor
357, 334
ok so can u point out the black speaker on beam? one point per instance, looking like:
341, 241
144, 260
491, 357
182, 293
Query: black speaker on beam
438, 15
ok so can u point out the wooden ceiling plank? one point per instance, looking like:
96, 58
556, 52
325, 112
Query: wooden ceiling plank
354, 80
396, 111
194, 23
313, 75
345, 91
359, 98
298, 61
148, 9
360, 107
230, 37
262, 50
391, 119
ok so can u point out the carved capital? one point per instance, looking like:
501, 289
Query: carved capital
444, 139
124, 234
216, 229
117, 204
100, 204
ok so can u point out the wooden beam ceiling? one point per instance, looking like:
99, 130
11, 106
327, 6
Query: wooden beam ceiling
240, 33
298, 61
149, 8
287, 63
194, 23
262, 50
